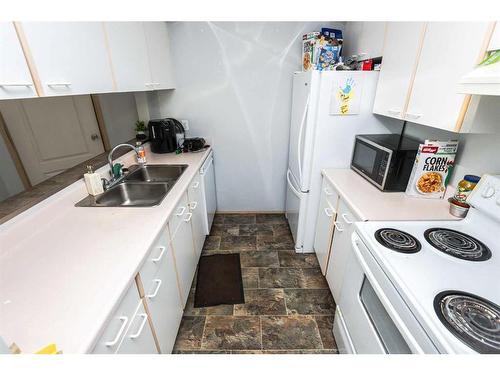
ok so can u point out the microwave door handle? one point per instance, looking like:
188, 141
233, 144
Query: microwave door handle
301, 133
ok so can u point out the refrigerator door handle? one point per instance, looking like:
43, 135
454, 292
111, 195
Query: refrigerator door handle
301, 133
295, 191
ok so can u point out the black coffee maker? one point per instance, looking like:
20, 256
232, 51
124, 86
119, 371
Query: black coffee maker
164, 135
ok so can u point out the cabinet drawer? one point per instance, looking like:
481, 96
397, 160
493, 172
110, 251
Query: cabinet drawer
331, 194
139, 337
197, 208
163, 300
118, 324
178, 215
157, 256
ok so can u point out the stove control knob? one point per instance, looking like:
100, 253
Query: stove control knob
488, 191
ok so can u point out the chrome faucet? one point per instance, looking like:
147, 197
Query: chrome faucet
115, 179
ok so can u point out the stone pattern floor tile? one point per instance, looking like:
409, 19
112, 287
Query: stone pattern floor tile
288, 306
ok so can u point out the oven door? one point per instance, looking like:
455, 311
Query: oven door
376, 318
371, 160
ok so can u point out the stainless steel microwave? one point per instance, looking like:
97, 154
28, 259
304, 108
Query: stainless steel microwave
385, 160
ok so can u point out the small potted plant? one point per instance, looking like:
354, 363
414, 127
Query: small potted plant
140, 130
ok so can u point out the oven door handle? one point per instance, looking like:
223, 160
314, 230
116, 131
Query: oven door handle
405, 332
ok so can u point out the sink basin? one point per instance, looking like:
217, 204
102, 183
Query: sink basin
129, 194
156, 173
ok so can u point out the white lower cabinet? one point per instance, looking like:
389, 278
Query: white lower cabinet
161, 293
324, 227
149, 315
183, 249
139, 337
340, 249
114, 332
198, 209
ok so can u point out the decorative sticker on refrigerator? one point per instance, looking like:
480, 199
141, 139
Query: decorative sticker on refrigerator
346, 95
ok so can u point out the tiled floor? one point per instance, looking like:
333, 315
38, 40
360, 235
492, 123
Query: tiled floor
288, 306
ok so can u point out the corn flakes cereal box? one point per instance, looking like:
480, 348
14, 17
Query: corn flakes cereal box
432, 169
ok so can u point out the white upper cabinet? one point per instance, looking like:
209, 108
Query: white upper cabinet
129, 55
364, 38
449, 51
70, 57
495, 39
15, 77
401, 48
159, 55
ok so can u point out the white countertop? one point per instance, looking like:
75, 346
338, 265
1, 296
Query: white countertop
369, 203
63, 269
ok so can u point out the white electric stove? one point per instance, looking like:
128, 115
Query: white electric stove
425, 286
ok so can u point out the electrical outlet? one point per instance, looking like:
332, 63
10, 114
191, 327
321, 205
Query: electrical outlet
185, 123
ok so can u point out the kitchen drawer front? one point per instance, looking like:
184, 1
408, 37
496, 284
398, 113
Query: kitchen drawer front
157, 256
120, 320
331, 194
139, 337
164, 303
185, 257
324, 231
178, 215
197, 208
340, 248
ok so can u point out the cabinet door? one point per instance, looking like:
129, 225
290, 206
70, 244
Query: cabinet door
162, 298
139, 338
449, 51
495, 39
15, 77
70, 57
129, 55
402, 41
197, 208
341, 246
118, 324
324, 230
159, 55
184, 255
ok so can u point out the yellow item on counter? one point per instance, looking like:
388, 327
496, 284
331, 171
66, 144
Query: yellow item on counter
49, 349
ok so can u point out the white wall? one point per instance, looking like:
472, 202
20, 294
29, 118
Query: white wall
364, 38
120, 114
233, 83
10, 183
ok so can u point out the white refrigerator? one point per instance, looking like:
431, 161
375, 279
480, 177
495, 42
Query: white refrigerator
321, 137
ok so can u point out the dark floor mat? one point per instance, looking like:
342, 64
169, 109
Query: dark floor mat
219, 281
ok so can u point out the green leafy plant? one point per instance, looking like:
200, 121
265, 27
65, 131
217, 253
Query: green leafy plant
140, 127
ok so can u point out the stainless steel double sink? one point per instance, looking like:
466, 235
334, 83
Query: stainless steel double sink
143, 186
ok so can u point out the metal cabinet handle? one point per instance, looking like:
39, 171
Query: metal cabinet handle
124, 320
328, 211
16, 84
338, 227
195, 185
139, 331
413, 116
157, 259
193, 205
181, 211
344, 216
56, 84
396, 112
188, 217
158, 285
